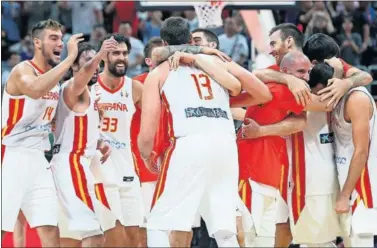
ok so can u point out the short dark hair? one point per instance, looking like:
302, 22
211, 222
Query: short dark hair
119, 38
42, 25
83, 47
320, 47
175, 31
210, 36
152, 43
288, 29
320, 74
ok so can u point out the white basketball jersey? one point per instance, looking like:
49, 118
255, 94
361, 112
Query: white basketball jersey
25, 121
196, 103
344, 147
76, 132
119, 109
320, 169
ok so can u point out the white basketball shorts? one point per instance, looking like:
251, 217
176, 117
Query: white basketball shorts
199, 173
121, 196
75, 187
28, 186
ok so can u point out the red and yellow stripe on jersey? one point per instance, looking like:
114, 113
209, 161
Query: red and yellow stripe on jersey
364, 189
244, 190
16, 110
298, 174
78, 175
100, 194
165, 164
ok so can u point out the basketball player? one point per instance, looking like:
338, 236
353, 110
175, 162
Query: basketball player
197, 119
313, 220
148, 179
77, 138
29, 104
285, 38
121, 210
355, 134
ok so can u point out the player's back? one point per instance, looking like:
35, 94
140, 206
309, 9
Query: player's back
195, 103
26, 122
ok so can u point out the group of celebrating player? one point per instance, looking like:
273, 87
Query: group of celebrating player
137, 162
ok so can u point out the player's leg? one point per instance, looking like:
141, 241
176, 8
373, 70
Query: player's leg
19, 234
40, 204
147, 189
283, 235
220, 200
75, 184
132, 210
17, 177
178, 193
240, 232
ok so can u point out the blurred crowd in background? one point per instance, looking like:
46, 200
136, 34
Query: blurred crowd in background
352, 23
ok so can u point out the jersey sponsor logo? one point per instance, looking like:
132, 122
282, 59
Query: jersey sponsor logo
115, 144
326, 138
51, 96
112, 107
46, 127
207, 112
340, 160
128, 179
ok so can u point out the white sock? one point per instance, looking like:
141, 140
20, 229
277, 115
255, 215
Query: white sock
226, 239
157, 238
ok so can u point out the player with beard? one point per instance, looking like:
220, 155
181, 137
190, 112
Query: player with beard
76, 141
284, 38
29, 104
119, 190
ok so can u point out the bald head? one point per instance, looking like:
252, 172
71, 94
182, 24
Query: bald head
296, 64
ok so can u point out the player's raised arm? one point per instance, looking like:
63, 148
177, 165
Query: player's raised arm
80, 81
250, 83
151, 108
27, 83
360, 134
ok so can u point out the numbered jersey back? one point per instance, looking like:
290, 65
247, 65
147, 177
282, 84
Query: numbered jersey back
196, 103
118, 109
25, 121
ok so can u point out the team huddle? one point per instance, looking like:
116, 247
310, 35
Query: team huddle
138, 162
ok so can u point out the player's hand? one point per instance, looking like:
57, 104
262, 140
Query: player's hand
251, 129
72, 45
213, 51
342, 204
336, 89
300, 89
337, 65
180, 58
105, 151
151, 165
108, 46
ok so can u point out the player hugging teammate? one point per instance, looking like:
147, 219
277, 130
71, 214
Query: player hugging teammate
137, 162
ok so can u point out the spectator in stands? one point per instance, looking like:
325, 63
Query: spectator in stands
305, 14
350, 43
123, 11
25, 48
192, 19
84, 16
152, 26
37, 11
136, 56
65, 15
98, 33
10, 19
14, 59
233, 43
370, 14
4, 46
321, 22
